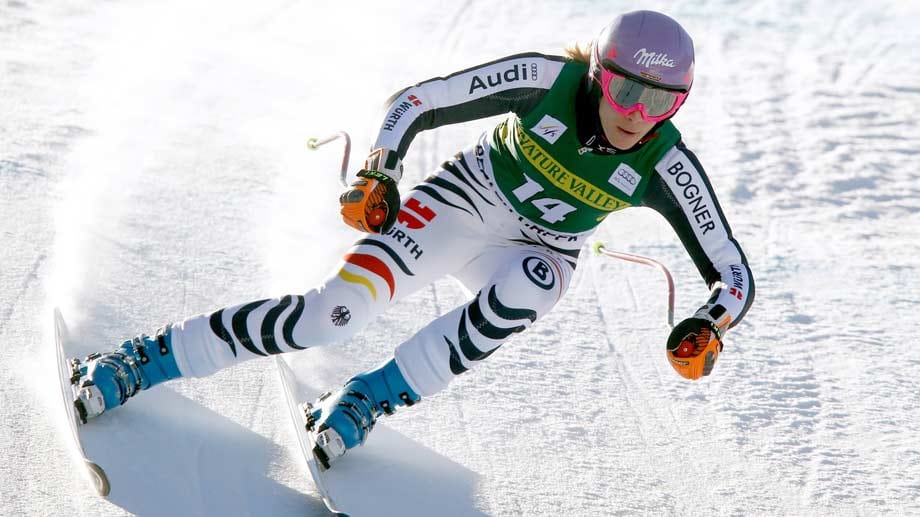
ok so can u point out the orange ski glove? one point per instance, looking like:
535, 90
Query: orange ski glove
372, 202
694, 345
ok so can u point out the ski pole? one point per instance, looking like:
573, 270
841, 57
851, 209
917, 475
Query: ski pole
601, 249
316, 143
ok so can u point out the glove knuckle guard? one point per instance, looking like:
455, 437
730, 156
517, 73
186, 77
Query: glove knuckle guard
352, 196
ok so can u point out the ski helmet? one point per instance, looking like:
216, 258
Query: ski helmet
648, 49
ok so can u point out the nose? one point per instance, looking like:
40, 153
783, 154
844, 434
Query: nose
634, 116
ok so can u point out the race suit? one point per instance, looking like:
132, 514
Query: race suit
507, 216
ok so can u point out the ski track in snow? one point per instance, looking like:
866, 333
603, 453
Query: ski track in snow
147, 178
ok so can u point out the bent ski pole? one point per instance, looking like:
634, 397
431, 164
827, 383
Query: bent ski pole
600, 249
316, 143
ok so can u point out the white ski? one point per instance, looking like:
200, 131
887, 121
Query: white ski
294, 397
66, 375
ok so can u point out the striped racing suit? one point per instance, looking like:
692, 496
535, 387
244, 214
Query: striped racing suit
507, 216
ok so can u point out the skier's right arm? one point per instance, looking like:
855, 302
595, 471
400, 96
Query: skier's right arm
513, 84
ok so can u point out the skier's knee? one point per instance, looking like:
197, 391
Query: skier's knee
332, 313
534, 280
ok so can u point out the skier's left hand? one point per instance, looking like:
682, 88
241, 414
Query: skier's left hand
694, 346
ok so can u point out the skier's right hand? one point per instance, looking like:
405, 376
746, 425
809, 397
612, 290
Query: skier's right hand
372, 202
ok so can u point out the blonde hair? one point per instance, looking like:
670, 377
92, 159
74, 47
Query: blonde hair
577, 52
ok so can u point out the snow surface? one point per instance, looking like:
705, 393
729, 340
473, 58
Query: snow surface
153, 166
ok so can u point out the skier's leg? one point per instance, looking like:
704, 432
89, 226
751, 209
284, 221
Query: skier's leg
332, 312
441, 227
428, 242
527, 281
205, 344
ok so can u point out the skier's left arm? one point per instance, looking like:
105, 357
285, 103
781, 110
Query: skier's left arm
681, 192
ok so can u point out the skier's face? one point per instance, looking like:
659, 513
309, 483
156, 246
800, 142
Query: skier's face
623, 131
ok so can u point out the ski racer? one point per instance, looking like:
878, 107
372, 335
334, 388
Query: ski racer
585, 135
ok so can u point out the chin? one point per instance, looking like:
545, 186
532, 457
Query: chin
624, 144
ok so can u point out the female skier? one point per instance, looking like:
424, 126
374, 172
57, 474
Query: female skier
586, 135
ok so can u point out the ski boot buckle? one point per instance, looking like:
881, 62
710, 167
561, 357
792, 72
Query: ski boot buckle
329, 447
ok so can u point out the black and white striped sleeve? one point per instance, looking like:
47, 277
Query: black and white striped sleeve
516, 83
681, 192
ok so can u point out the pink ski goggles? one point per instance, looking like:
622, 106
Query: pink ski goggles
627, 95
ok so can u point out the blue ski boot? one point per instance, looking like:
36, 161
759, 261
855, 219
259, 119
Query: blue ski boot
343, 420
106, 380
